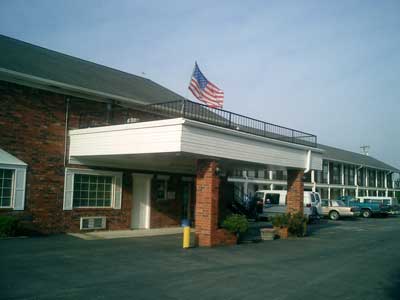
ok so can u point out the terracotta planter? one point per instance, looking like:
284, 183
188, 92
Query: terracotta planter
283, 232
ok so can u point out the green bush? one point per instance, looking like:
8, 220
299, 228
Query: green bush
236, 224
280, 220
297, 224
8, 226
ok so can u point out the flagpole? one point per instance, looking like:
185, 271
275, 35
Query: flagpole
190, 80
187, 91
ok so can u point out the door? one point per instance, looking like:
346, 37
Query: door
186, 203
140, 217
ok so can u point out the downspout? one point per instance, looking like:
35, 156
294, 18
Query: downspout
308, 162
66, 130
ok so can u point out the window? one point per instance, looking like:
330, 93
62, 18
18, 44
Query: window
279, 175
325, 168
335, 173
323, 192
324, 203
349, 192
251, 173
272, 199
351, 175
379, 178
390, 180
338, 203
161, 189
371, 178
92, 190
318, 176
360, 177
6, 187
307, 177
335, 194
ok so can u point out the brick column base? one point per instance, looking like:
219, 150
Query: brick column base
206, 211
295, 191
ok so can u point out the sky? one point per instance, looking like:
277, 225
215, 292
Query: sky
330, 68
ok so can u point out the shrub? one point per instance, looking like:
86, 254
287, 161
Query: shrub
236, 224
280, 220
8, 226
297, 224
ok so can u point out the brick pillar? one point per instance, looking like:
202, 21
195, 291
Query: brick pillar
295, 191
206, 211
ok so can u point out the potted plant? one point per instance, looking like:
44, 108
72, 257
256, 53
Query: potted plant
236, 224
297, 224
280, 223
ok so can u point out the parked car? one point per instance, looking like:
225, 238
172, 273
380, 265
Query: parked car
274, 202
335, 209
367, 208
392, 202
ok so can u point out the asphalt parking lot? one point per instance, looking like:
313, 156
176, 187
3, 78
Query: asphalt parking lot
347, 259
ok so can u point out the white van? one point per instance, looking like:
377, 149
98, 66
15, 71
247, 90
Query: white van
274, 202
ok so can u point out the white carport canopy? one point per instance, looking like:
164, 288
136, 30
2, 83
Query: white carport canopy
177, 143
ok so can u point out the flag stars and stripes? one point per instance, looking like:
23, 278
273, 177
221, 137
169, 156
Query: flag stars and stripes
204, 90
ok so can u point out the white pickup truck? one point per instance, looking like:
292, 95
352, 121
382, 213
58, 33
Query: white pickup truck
274, 202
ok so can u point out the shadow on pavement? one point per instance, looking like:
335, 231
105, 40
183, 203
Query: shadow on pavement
394, 291
320, 225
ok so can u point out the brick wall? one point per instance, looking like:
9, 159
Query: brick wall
295, 191
207, 197
32, 127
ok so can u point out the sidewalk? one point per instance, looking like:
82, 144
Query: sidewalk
117, 234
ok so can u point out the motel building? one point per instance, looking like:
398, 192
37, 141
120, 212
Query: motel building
84, 146
344, 173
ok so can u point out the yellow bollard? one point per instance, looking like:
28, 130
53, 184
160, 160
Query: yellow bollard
186, 237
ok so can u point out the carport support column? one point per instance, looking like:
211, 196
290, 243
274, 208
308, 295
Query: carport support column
295, 191
207, 199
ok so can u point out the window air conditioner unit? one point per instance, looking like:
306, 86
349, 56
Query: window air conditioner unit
89, 223
132, 120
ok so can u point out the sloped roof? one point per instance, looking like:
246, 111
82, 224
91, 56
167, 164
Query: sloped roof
332, 153
8, 159
32, 60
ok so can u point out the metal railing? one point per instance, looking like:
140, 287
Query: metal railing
222, 118
201, 113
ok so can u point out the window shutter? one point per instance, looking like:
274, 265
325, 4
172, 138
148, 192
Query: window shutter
68, 190
118, 192
20, 181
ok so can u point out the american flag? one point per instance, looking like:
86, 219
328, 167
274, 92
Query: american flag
204, 90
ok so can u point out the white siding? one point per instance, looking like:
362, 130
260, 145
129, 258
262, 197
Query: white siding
199, 139
217, 144
126, 139
316, 161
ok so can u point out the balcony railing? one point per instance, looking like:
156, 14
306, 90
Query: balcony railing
201, 113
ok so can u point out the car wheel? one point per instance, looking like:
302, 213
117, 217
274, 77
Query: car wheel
334, 215
366, 213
